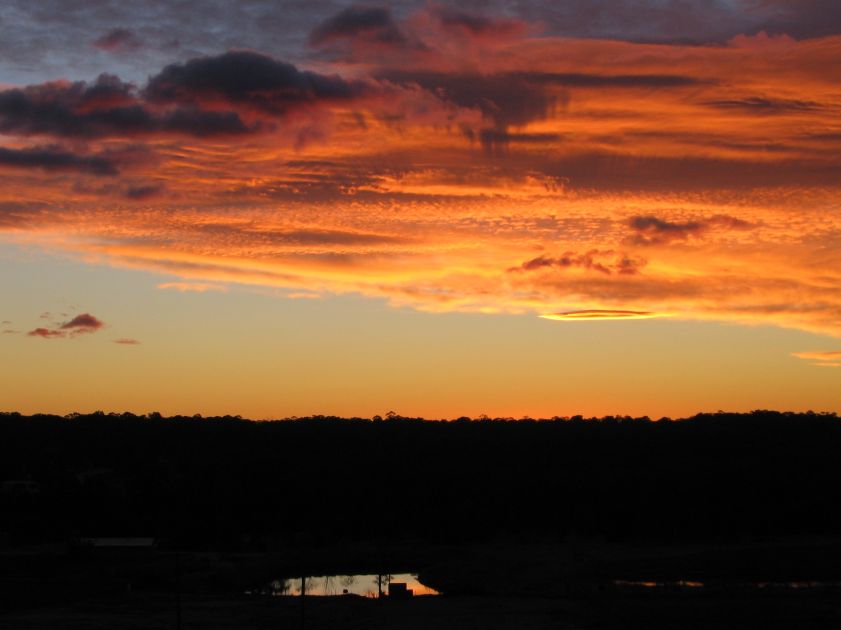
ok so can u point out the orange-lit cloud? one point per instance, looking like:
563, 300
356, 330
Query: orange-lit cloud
476, 167
596, 315
46, 333
80, 324
195, 287
831, 358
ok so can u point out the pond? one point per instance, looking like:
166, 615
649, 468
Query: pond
727, 585
364, 585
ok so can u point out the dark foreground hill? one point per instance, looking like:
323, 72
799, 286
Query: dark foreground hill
227, 483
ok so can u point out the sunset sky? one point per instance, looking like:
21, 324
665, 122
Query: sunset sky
274, 208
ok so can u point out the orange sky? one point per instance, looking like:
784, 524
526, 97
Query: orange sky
492, 170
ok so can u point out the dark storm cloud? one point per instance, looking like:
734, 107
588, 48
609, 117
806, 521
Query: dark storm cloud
55, 159
334, 237
495, 140
617, 172
580, 80
653, 230
70, 109
370, 23
242, 77
143, 192
300, 238
106, 107
53, 37
760, 105
197, 122
507, 100
604, 262
683, 21
802, 19
517, 98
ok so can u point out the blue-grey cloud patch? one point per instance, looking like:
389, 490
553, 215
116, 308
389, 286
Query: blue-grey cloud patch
374, 24
119, 40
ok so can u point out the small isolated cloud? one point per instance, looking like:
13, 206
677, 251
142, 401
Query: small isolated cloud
9, 331
82, 324
194, 287
46, 333
5, 322
127, 342
599, 314
830, 358
119, 40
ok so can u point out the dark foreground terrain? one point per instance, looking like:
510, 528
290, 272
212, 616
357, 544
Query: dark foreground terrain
536, 585
718, 521
465, 613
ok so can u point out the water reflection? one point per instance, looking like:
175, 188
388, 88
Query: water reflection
693, 585
364, 585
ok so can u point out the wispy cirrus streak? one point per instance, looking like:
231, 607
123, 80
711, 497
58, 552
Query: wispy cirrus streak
448, 161
828, 358
195, 287
591, 315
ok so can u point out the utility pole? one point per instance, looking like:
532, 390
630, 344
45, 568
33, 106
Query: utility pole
303, 601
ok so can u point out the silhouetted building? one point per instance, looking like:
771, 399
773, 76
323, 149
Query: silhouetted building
398, 590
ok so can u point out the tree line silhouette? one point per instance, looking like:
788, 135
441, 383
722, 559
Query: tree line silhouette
228, 483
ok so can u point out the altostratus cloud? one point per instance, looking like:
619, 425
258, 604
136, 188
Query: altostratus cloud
475, 167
